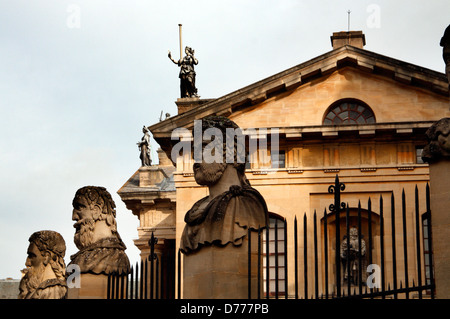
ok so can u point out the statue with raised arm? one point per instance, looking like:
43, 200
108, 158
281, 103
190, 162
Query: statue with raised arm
187, 73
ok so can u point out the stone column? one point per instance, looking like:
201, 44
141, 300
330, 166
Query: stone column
92, 286
216, 272
437, 154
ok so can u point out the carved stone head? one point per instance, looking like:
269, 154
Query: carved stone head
439, 141
95, 215
353, 232
101, 250
220, 147
45, 274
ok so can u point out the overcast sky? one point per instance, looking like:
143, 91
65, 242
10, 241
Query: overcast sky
79, 79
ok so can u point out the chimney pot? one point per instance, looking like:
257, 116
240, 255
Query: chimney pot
353, 38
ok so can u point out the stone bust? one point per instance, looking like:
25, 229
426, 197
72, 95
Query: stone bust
232, 206
438, 136
44, 277
101, 250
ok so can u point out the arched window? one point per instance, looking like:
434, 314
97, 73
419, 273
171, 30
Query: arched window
349, 112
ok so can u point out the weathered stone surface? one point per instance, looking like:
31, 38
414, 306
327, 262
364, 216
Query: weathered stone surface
101, 250
232, 205
216, 272
439, 142
440, 223
44, 277
215, 236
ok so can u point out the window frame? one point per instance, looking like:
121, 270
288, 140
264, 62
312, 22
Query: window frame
349, 112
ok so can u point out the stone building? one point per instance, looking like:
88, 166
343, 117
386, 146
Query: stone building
351, 112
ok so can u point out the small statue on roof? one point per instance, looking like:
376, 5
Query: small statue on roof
145, 148
187, 73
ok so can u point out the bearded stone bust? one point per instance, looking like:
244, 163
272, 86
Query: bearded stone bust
232, 206
101, 250
44, 277
438, 136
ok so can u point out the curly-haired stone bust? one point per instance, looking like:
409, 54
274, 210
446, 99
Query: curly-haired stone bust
232, 206
44, 277
101, 250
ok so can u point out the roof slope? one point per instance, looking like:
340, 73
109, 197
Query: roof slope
313, 69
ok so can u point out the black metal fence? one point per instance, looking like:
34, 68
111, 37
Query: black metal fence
348, 267
143, 281
342, 273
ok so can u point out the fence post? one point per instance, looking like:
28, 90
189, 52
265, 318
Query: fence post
394, 255
249, 275
316, 259
336, 208
305, 256
296, 256
405, 243
152, 242
285, 261
419, 266
325, 236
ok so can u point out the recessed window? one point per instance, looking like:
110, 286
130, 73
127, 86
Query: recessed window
278, 159
419, 150
349, 113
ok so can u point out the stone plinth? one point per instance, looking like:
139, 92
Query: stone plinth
354, 38
91, 287
150, 176
440, 225
188, 103
215, 272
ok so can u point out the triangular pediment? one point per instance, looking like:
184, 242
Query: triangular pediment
263, 98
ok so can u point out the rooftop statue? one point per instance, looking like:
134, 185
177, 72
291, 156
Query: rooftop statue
44, 277
101, 250
232, 206
187, 73
145, 148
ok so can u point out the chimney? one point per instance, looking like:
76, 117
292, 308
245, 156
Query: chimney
353, 38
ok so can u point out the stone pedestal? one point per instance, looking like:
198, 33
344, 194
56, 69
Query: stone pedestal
188, 103
91, 287
215, 272
150, 176
440, 225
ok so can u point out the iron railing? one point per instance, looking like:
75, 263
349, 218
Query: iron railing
145, 280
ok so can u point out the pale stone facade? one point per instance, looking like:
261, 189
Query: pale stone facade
373, 159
